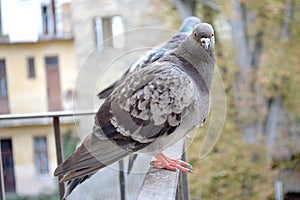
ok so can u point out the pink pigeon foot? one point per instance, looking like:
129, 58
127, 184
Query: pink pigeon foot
162, 161
188, 137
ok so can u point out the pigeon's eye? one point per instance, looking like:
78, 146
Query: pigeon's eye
194, 34
212, 35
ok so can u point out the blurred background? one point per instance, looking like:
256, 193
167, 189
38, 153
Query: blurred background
53, 51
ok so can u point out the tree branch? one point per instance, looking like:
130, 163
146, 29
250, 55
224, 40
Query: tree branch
185, 8
240, 38
210, 4
258, 49
286, 24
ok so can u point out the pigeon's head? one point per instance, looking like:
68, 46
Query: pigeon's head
188, 24
203, 34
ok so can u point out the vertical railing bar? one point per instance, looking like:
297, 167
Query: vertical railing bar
182, 192
2, 189
122, 180
179, 192
185, 181
59, 153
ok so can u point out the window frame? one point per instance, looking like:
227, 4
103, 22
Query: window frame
41, 155
104, 31
3, 80
31, 69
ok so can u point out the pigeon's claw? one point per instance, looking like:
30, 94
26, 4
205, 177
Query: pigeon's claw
162, 161
189, 137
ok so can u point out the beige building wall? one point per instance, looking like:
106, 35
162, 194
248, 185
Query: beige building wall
30, 95
28, 181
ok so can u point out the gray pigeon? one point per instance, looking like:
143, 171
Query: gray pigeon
151, 109
151, 56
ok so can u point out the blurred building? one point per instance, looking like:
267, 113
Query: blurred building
52, 51
37, 74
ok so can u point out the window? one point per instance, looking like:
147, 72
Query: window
48, 18
31, 67
45, 19
108, 30
3, 81
4, 104
51, 61
41, 155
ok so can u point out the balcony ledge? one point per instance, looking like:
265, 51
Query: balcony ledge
4, 39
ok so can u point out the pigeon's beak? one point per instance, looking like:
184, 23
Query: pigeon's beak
205, 42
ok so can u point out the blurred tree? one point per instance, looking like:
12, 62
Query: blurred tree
185, 8
275, 103
234, 170
261, 32
245, 88
70, 143
265, 37
260, 69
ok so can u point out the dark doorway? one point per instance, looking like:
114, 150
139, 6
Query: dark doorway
53, 83
292, 196
8, 166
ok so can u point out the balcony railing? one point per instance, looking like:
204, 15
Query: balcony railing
158, 184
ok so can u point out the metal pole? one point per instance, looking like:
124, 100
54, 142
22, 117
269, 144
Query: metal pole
2, 190
185, 180
183, 192
122, 180
59, 154
278, 190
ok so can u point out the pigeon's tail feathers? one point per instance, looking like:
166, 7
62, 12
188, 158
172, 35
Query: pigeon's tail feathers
107, 91
188, 24
95, 153
131, 162
72, 184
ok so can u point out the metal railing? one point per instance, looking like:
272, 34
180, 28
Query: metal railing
180, 188
56, 127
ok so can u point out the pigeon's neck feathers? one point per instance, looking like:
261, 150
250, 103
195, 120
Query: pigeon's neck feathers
186, 29
202, 60
194, 49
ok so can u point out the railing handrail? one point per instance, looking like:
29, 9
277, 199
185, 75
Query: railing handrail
46, 114
55, 115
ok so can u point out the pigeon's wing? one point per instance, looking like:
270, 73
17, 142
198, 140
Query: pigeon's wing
96, 152
107, 91
152, 102
153, 55
150, 57
158, 52
147, 105
99, 149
